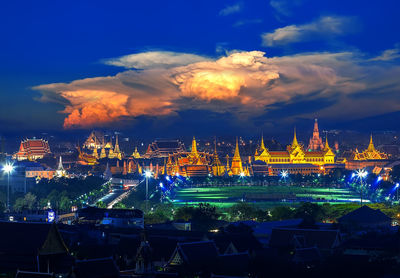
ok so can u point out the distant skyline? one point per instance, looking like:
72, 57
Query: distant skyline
203, 68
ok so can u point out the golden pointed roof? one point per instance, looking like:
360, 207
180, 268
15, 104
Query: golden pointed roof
194, 146
295, 142
327, 149
116, 148
237, 154
136, 154
371, 147
262, 142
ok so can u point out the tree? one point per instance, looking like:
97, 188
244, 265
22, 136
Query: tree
310, 213
101, 204
29, 202
65, 202
282, 213
245, 211
119, 205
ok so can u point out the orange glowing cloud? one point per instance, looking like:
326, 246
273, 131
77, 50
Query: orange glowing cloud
89, 107
247, 83
224, 78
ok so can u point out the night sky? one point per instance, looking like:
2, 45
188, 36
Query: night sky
199, 67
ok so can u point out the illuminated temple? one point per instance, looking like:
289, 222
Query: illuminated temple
295, 159
370, 157
193, 163
171, 157
32, 149
96, 148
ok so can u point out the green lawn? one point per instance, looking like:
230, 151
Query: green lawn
227, 196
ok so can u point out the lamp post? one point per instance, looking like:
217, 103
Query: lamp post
361, 174
8, 168
147, 175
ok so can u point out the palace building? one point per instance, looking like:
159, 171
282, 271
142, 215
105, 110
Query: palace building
94, 141
369, 157
32, 149
295, 159
191, 164
163, 148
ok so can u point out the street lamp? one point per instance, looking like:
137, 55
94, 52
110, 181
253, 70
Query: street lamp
147, 175
361, 175
8, 168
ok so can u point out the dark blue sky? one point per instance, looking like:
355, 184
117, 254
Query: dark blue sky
47, 42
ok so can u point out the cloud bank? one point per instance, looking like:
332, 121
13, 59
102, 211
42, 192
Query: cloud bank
324, 27
154, 59
244, 83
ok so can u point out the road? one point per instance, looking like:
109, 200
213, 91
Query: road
115, 196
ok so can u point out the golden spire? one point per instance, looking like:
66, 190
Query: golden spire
295, 143
116, 148
326, 147
262, 142
371, 146
236, 149
194, 146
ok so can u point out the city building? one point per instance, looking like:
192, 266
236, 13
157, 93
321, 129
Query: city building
370, 157
191, 164
164, 148
122, 218
39, 172
32, 149
94, 141
295, 159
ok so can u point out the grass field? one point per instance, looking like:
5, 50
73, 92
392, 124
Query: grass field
228, 196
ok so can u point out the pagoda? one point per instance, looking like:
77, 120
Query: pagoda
236, 166
136, 154
315, 141
60, 172
217, 168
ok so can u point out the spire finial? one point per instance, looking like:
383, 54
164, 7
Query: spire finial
371, 146
194, 146
326, 142
295, 143
236, 149
262, 141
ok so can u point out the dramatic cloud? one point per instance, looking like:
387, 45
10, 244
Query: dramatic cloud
245, 84
88, 107
324, 27
155, 59
223, 79
228, 10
